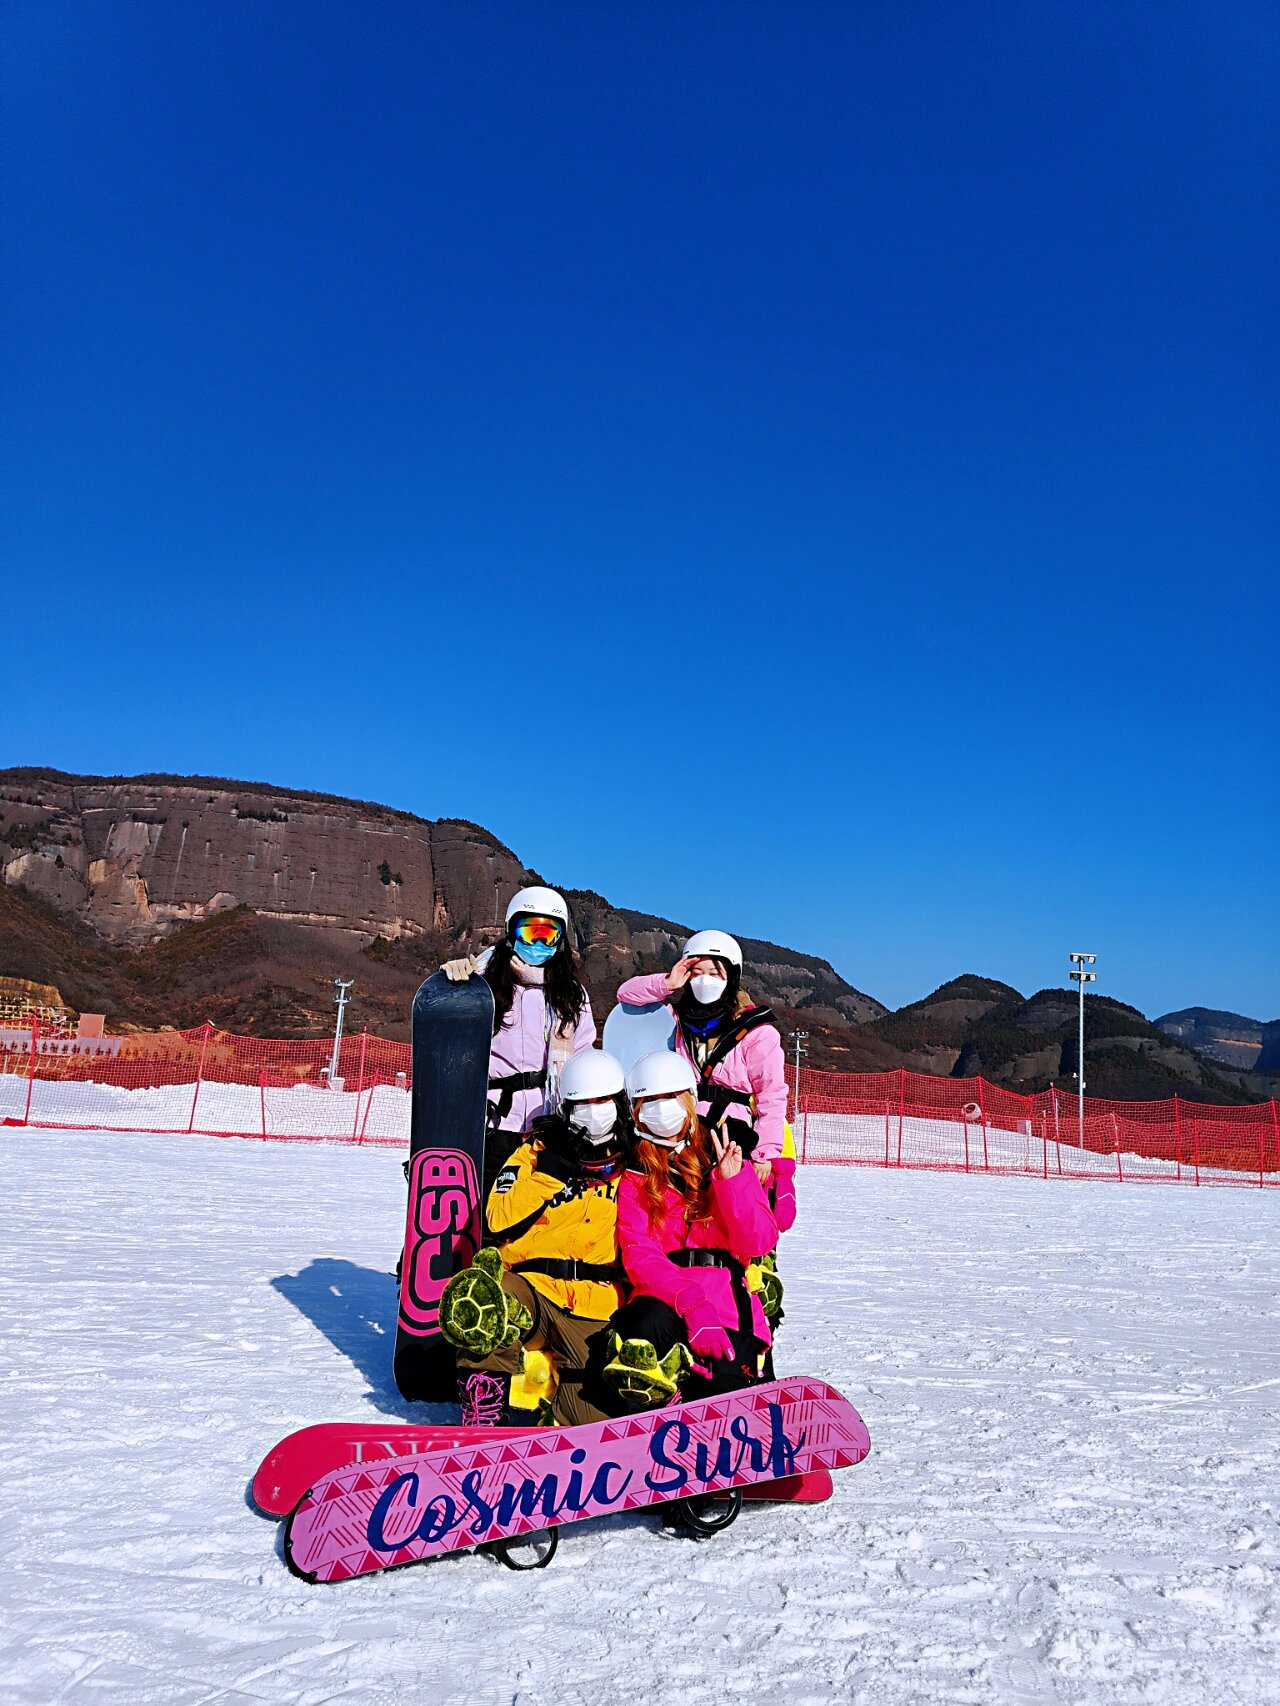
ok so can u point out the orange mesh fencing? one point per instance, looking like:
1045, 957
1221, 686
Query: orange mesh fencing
212, 1081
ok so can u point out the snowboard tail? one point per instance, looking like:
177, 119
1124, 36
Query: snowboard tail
380, 1515
452, 1030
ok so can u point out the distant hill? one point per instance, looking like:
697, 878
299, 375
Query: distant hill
169, 899
1226, 1037
975, 1026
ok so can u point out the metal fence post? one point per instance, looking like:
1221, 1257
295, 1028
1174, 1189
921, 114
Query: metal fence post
31, 1070
204, 1049
364, 1049
1177, 1133
902, 1106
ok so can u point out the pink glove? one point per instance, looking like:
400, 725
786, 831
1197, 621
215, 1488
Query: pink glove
711, 1342
783, 1191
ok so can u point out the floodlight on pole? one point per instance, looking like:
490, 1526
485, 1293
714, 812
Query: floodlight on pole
342, 985
1080, 977
798, 1040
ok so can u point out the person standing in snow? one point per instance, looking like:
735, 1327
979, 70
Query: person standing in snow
692, 1221
542, 1016
734, 1047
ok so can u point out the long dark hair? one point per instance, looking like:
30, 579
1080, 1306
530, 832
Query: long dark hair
561, 984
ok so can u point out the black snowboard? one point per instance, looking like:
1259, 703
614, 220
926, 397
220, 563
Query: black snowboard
452, 1030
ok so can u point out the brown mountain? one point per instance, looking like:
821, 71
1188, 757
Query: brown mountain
974, 1026
169, 900
1229, 1038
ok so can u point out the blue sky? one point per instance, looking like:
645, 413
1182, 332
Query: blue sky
804, 468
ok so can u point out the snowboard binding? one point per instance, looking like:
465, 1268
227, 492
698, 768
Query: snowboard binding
476, 1314
640, 1377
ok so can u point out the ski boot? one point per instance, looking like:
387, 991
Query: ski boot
476, 1315
532, 1390
638, 1375
483, 1397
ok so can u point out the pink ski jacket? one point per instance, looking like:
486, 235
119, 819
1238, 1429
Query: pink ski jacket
739, 1222
530, 1040
755, 1066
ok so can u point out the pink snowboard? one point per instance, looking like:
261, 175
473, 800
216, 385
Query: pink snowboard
295, 1465
398, 1510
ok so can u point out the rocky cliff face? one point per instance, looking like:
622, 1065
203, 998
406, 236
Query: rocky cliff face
137, 858
141, 860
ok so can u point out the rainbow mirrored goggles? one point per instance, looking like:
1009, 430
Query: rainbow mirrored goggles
533, 929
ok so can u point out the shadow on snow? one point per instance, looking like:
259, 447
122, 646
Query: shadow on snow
355, 1309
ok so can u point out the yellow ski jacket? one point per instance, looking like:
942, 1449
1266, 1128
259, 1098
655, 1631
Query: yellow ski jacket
562, 1237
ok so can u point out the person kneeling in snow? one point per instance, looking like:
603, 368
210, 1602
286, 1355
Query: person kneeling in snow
692, 1221
526, 1318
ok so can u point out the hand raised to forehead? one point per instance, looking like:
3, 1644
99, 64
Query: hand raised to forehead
679, 975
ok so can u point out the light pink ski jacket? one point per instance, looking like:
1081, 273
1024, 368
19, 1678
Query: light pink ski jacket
755, 1066
739, 1222
529, 1039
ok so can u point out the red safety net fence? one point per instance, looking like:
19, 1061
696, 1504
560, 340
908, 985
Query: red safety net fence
909, 1119
212, 1081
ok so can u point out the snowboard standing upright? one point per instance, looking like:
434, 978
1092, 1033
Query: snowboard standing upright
452, 1031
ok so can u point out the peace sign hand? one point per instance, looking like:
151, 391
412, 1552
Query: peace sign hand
728, 1156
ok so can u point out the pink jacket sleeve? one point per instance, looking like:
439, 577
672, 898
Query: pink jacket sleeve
762, 1058
652, 1273
743, 1211
641, 991
784, 1192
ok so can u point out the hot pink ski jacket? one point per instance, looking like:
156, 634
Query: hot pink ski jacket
755, 1066
739, 1222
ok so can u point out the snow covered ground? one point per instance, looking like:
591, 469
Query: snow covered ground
1073, 1395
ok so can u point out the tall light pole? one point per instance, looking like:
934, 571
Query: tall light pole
798, 1039
342, 985
1080, 977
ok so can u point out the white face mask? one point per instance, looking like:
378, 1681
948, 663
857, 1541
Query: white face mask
708, 988
595, 1120
664, 1118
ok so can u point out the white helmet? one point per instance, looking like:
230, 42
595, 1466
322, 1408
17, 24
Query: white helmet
590, 1074
712, 945
546, 903
663, 1073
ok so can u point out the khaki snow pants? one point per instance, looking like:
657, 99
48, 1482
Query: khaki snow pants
574, 1343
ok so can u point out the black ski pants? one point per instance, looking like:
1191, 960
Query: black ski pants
649, 1318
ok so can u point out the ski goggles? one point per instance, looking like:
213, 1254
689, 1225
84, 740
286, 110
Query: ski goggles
533, 930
